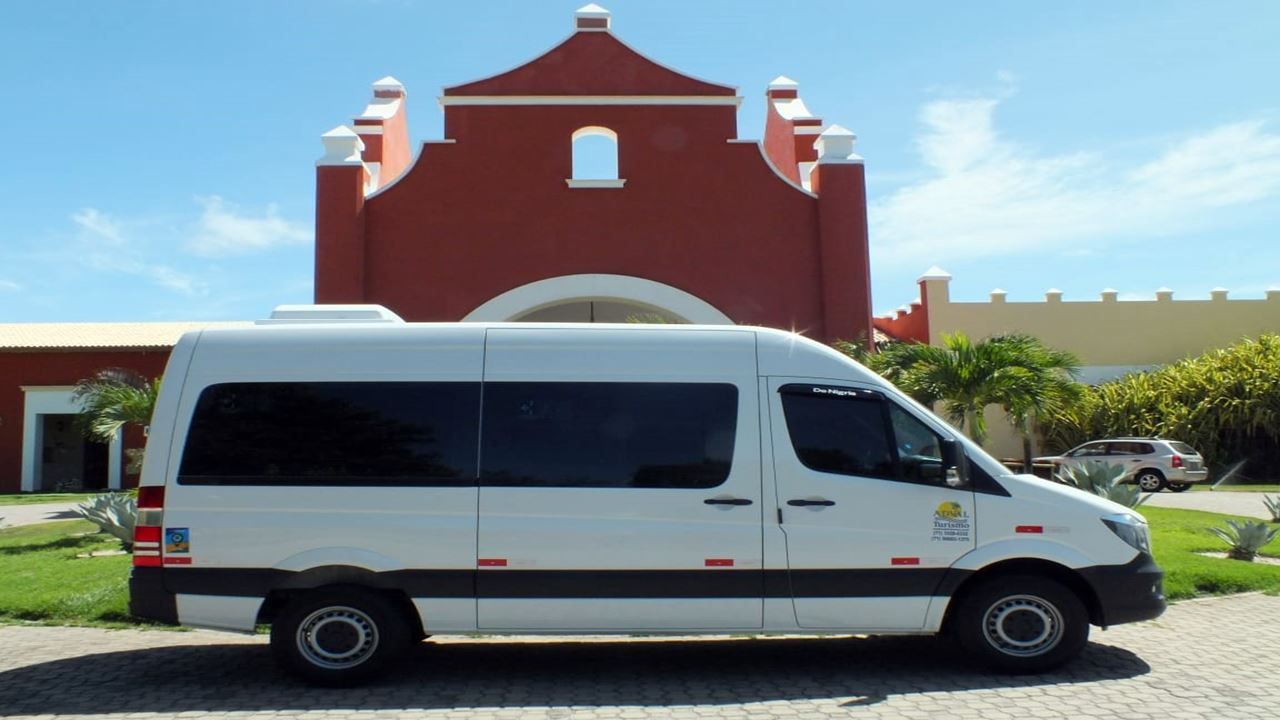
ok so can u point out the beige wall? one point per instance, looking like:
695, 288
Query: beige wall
1110, 336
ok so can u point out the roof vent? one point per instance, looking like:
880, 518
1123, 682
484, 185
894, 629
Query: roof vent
293, 314
592, 18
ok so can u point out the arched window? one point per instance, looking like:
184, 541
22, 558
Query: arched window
595, 158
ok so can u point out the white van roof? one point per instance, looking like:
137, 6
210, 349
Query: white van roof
309, 328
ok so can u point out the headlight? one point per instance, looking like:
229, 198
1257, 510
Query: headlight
1131, 529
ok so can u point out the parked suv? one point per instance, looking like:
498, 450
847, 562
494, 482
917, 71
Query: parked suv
1152, 463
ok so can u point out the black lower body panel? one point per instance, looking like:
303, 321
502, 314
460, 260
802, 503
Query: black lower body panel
148, 597
1128, 593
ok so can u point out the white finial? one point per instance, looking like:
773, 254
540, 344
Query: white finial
835, 145
389, 84
782, 82
1109, 294
592, 18
342, 146
1053, 295
935, 273
1218, 293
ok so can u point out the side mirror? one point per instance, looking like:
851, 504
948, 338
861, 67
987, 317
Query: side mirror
954, 464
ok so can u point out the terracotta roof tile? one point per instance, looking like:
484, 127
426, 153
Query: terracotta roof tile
76, 336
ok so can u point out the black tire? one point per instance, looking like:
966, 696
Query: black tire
338, 637
1178, 486
1149, 480
1021, 623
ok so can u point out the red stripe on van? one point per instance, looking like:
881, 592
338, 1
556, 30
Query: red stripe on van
1033, 529
718, 562
905, 561
492, 562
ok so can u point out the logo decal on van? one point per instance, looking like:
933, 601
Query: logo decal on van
177, 540
951, 523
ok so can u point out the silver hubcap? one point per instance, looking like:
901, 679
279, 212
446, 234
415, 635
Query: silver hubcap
1023, 625
1149, 482
337, 637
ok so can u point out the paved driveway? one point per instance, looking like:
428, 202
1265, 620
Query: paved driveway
1203, 659
40, 512
1248, 504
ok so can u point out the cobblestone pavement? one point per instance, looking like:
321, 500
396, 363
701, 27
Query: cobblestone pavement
1248, 504
1203, 659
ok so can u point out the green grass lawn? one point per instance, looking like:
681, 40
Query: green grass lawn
1177, 537
42, 580
36, 498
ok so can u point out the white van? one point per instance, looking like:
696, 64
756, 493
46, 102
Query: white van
360, 485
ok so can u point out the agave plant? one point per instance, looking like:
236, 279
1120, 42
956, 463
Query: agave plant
1273, 507
1245, 538
114, 514
1103, 479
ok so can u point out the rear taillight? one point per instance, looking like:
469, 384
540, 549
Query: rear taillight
1176, 461
149, 528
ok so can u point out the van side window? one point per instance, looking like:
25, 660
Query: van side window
333, 433
618, 435
856, 432
837, 434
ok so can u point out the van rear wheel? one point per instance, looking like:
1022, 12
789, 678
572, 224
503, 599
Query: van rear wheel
338, 637
1022, 623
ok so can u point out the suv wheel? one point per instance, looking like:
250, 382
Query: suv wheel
1149, 480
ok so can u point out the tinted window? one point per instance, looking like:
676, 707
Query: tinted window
1183, 448
919, 448
638, 435
339, 433
1090, 450
845, 435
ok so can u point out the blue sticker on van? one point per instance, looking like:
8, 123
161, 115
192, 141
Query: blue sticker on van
177, 540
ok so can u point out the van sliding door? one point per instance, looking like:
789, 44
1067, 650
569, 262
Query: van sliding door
620, 481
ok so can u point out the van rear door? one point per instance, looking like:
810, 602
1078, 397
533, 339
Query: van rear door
620, 481
871, 525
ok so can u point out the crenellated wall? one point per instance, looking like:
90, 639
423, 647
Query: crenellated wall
1112, 337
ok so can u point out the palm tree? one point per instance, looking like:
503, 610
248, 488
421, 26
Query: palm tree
1015, 371
112, 399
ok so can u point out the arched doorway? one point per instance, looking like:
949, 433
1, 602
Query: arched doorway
598, 298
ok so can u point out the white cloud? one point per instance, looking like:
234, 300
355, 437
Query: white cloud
9, 286
99, 226
986, 195
108, 244
221, 231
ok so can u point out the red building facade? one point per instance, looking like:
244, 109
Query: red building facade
491, 224
689, 223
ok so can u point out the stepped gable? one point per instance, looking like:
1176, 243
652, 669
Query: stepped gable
590, 63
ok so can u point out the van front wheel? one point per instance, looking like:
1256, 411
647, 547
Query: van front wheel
338, 637
1022, 624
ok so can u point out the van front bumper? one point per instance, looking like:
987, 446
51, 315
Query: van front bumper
1127, 593
148, 597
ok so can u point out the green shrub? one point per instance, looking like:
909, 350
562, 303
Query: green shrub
1103, 479
1273, 507
1225, 403
1245, 538
113, 513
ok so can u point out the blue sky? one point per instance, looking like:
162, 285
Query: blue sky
160, 155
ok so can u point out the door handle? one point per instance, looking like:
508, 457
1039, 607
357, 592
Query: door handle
727, 501
804, 503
